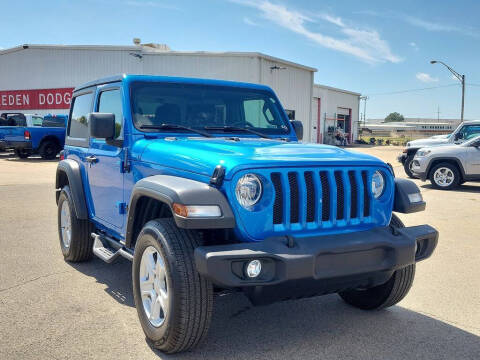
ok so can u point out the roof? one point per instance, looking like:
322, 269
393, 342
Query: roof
170, 79
336, 89
147, 50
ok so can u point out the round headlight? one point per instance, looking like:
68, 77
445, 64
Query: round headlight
378, 184
248, 190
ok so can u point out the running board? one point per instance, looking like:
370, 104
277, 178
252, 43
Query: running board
107, 253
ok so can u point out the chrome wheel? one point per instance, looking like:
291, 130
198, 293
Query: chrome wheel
66, 224
153, 286
443, 176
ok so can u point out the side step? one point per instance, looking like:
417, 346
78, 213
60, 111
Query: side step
104, 248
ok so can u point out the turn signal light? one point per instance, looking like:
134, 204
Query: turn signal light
197, 211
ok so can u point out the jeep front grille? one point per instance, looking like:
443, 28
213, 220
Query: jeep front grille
306, 197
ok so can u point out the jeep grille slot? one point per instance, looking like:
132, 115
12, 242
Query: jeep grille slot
294, 197
311, 196
366, 198
278, 203
327, 198
340, 195
353, 194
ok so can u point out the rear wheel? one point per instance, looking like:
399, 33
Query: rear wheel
23, 153
48, 150
445, 176
174, 303
75, 234
385, 295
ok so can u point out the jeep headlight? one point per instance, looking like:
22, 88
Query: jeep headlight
423, 152
378, 184
248, 190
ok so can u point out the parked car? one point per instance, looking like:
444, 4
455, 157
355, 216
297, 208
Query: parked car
448, 166
28, 134
465, 131
205, 186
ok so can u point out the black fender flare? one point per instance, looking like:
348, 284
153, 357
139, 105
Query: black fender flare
71, 169
445, 159
173, 189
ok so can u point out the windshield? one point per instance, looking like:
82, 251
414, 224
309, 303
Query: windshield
204, 107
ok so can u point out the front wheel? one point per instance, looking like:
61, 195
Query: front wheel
445, 176
385, 295
407, 166
48, 150
174, 303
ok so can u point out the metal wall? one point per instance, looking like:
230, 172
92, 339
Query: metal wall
35, 68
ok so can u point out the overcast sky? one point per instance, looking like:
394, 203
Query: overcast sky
371, 47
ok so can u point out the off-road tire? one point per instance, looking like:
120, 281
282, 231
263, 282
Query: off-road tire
22, 153
385, 295
190, 295
81, 243
453, 168
406, 167
48, 150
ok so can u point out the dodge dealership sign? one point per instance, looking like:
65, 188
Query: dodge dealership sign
35, 99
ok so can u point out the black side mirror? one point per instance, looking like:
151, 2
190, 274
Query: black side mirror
298, 127
458, 136
102, 125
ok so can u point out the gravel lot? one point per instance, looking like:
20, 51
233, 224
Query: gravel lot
52, 309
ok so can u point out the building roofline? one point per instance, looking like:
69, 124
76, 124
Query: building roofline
336, 89
152, 51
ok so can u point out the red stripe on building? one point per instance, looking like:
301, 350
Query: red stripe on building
35, 99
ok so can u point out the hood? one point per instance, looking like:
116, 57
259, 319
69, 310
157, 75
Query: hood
202, 155
427, 142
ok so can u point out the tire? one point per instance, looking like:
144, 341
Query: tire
407, 167
188, 304
385, 295
79, 245
451, 177
48, 150
22, 153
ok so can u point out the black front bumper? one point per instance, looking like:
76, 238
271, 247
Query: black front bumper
345, 257
401, 158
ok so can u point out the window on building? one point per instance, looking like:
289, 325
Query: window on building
82, 105
111, 102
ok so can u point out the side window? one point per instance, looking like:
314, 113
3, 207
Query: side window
82, 105
37, 121
111, 102
471, 131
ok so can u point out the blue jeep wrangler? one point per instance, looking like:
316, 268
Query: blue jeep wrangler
204, 185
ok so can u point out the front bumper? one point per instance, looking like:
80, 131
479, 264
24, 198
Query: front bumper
341, 256
401, 158
419, 167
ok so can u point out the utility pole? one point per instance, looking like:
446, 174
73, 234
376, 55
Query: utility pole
461, 78
438, 113
364, 98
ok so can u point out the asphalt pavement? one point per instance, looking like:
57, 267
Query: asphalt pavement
51, 309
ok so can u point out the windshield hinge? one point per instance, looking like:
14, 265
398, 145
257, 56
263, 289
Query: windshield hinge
125, 164
218, 175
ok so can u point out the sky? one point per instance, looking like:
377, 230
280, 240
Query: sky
381, 49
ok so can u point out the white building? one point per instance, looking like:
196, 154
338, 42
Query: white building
39, 78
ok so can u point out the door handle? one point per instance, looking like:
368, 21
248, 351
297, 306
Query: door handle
91, 159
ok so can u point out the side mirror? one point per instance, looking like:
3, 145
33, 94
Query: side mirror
102, 125
458, 136
298, 127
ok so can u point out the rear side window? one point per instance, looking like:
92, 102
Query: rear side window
53, 121
82, 105
37, 121
111, 102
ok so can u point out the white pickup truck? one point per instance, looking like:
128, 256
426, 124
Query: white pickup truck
464, 132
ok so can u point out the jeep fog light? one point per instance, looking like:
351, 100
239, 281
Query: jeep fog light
197, 211
415, 197
248, 190
253, 268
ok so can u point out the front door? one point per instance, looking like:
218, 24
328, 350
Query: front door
105, 173
473, 160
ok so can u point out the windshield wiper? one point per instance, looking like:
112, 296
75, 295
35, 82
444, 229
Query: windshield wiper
175, 126
234, 128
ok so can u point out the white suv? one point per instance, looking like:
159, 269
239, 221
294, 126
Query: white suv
447, 166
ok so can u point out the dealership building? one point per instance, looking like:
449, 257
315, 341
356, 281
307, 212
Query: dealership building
40, 79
